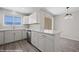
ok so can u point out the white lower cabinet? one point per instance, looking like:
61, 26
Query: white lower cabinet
34, 39
49, 43
46, 43
1, 37
24, 35
18, 35
43, 42
9, 36
12, 35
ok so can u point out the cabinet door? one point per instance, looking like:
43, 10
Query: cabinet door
24, 36
18, 35
49, 43
26, 20
33, 18
46, 42
34, 39
9, 36
1, 37
41, 42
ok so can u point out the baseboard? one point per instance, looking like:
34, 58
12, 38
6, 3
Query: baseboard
70, 38
36, 47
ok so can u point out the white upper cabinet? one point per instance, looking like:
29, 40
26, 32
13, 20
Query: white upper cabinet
31, 19
26, 20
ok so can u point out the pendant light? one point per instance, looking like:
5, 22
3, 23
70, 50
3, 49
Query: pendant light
68, 15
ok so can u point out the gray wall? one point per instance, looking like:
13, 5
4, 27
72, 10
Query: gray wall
69, 28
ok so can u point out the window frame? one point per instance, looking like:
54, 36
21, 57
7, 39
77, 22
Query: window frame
13, 21
21, 21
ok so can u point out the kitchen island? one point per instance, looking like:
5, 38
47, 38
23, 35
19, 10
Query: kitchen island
45, 42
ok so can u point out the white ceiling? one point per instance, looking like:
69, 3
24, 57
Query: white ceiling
25, 10
61, 10
53, 10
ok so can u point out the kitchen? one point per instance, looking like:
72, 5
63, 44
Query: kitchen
38, 29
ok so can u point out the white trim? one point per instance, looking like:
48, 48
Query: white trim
68, 37
13, 16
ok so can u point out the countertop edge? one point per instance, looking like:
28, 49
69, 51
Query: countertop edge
47, 33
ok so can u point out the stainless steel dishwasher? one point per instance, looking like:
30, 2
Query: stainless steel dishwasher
29, 36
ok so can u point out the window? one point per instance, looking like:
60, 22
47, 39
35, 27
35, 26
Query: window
8, 20
17, 20
12, 20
